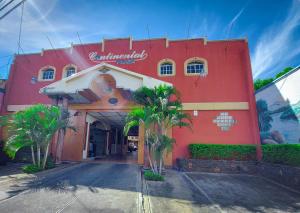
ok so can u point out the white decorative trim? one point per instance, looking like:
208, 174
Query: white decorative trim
224, 121
102, 46
130, 43
16, 108
216, 106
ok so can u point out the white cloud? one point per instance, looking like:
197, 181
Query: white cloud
46, 18
233, 21
276, 46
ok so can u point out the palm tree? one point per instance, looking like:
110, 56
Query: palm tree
34, 127
160, 110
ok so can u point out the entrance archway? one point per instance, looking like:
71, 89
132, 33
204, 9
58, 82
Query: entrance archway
102, 88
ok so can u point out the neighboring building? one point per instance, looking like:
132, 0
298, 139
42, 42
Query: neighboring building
95, 81
2, 91
278, 106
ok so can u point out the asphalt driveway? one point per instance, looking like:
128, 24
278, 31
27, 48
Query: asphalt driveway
210, 193
88, 187
245, 193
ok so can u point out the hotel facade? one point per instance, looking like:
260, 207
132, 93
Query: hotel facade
95, 82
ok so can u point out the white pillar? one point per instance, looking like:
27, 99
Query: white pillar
107, 141
116, 139
85, 151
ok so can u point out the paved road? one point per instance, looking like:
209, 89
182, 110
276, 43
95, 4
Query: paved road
89, 187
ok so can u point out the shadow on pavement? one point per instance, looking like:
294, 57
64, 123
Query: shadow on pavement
233, 193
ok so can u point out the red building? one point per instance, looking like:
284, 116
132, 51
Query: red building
95, 82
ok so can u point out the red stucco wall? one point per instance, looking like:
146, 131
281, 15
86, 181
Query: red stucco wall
229, 79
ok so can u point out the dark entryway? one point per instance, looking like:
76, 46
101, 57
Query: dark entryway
97, 141
107, 140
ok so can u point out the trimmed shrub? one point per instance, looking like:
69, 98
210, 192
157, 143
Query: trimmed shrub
31, 169
50, 163
222, 152
288, 154
149, 175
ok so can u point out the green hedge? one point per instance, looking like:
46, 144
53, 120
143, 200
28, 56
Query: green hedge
222, 152
282, 153
149, 175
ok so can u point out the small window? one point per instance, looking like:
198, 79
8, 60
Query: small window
166, 67
48, 74
70, 71
195, 67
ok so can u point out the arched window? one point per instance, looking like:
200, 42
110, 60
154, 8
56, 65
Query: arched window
47, 73
196, 66
69, 70
166, 67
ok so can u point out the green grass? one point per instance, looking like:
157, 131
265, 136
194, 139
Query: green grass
149, 175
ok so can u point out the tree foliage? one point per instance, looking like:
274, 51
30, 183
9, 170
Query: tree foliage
259, 83
33, 127
284, 71
160, 110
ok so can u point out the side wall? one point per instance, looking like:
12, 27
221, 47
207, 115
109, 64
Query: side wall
205, 130
281, 100
74, 141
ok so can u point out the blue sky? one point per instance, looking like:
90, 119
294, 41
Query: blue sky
271, 26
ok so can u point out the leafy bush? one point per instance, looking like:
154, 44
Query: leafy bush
288, 154
149, 175
31, 169
34, 168
284, 71
259, 83
50, 163
222, 152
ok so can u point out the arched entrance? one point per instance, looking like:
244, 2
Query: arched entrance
102, 95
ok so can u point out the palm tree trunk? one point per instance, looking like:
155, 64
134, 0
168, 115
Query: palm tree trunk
154, 162
150, 161
46, 156
32, 155
38, 155
148, 151
160, 163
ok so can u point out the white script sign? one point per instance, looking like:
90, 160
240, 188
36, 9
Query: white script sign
128, 58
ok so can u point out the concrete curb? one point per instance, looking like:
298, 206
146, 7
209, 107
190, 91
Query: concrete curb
139, 189
147, 205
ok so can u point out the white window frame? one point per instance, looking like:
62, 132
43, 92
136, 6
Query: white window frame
196, 60
45, 69
66, 68
163, 62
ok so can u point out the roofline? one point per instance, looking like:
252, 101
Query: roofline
112, 39
278, 79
